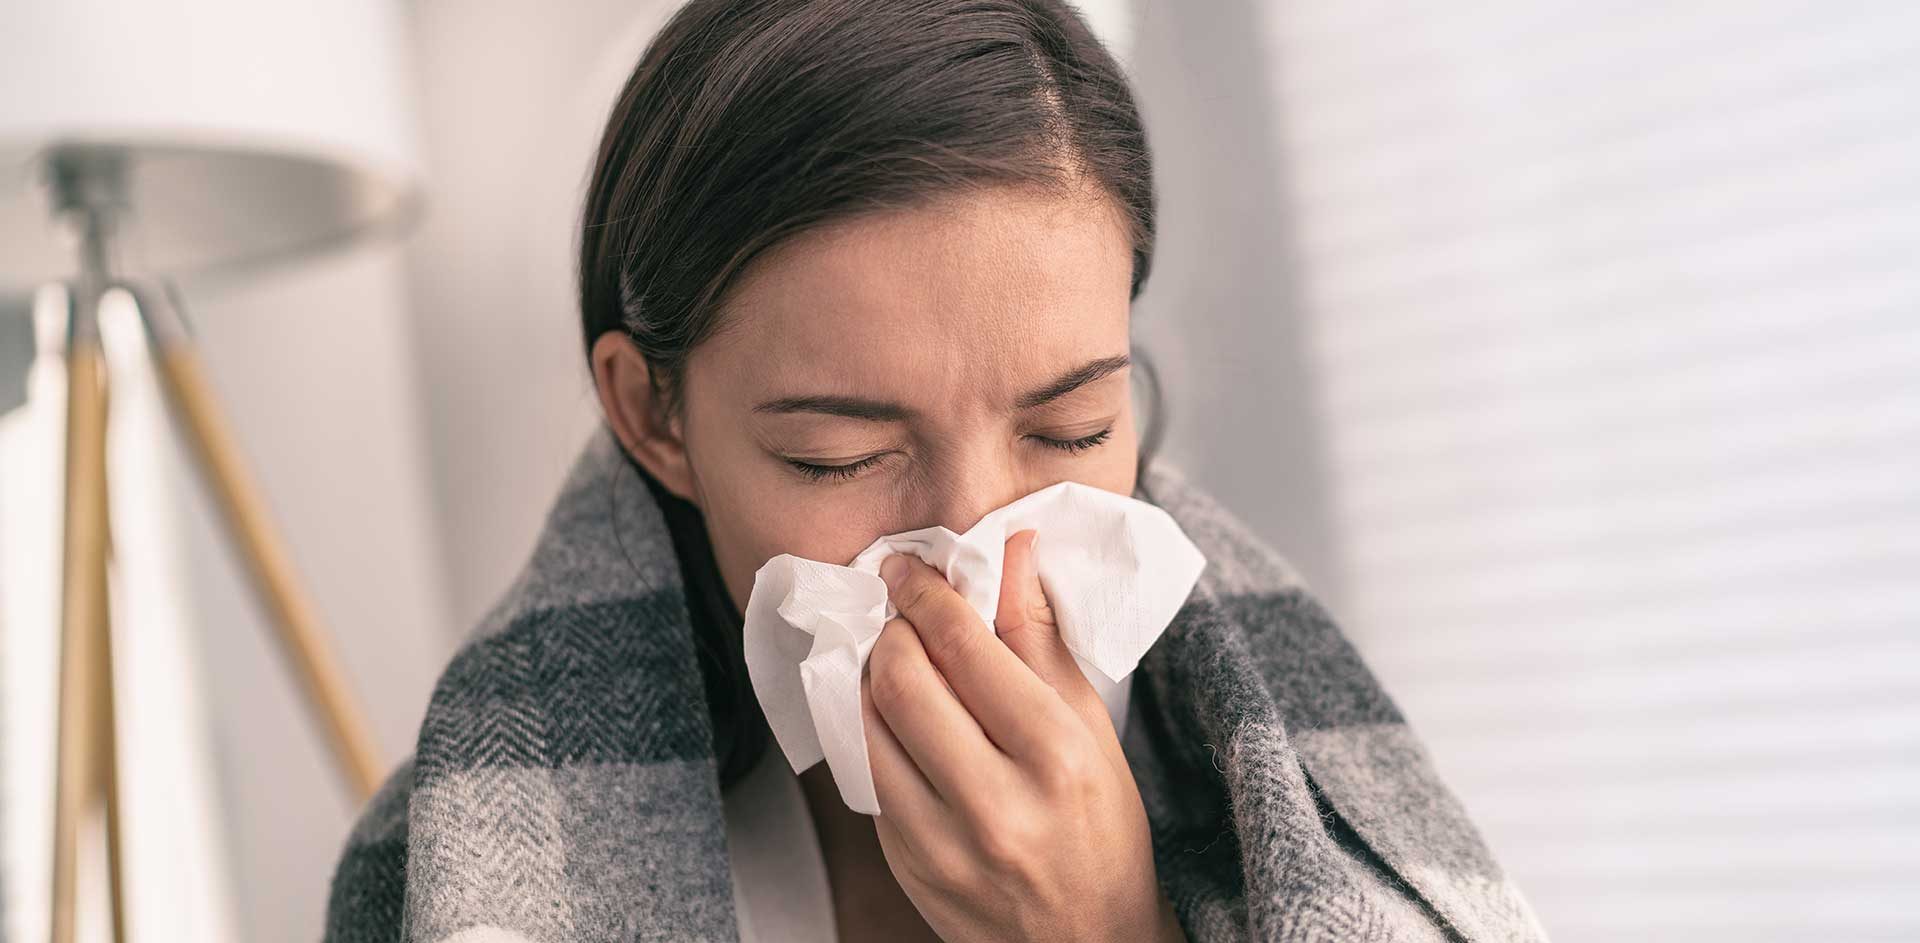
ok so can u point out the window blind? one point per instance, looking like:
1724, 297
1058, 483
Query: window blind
1616, 312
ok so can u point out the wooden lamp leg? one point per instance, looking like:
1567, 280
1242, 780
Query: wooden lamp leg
85, 768
302, 637
108, 750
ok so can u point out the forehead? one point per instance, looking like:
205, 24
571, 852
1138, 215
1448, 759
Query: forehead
994, 288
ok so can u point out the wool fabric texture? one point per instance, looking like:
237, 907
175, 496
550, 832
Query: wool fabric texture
565, 784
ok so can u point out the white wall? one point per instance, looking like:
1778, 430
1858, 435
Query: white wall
1221, 308
514, 95
316, 368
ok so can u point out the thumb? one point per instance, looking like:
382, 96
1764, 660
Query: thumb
1025, 617
1026, 623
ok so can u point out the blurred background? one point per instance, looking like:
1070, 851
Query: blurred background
1570, 351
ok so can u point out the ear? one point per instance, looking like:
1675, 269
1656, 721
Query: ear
638, 413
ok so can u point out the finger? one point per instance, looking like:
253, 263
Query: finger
927, 718
902, 791
1015, 708
1026, 624
1025, 620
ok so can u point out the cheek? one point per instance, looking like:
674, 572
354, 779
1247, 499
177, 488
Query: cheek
1114, 467
754, 510
759, 523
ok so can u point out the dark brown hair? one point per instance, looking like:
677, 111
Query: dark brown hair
749, 121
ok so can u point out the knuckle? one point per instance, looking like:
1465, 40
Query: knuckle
1033, 619
1018, 635
1065, 771
946, 866
889, 683
916, 591
1002, 847
950, 643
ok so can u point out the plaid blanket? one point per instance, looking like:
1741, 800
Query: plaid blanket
564, 784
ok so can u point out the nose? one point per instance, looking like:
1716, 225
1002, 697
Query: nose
965, 495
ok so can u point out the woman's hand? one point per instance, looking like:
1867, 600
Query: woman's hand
1008, 808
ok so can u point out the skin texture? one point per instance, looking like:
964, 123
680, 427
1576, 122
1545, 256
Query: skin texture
1010, 812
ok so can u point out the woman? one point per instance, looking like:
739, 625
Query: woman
849, 268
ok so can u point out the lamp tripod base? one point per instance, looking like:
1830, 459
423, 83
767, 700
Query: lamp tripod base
87, 765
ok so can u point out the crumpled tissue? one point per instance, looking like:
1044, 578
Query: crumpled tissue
1115, 570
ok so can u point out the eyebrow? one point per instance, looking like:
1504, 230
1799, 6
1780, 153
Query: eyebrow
873, 410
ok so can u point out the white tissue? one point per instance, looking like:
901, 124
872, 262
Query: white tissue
1114, 568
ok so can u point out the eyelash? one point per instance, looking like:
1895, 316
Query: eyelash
843, 472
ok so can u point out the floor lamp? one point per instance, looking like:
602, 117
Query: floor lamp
200, 138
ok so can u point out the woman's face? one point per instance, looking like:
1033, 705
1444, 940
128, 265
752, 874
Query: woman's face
906, 369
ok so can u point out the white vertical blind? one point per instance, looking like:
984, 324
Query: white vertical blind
174, 837
1616, 310
32, 443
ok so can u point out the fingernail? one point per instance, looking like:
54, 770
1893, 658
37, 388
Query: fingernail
892, 568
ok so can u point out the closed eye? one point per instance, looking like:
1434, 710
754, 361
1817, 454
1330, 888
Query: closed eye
841, 472
818, 472
1076, 445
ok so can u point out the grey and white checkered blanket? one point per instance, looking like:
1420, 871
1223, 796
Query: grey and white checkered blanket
564, 784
